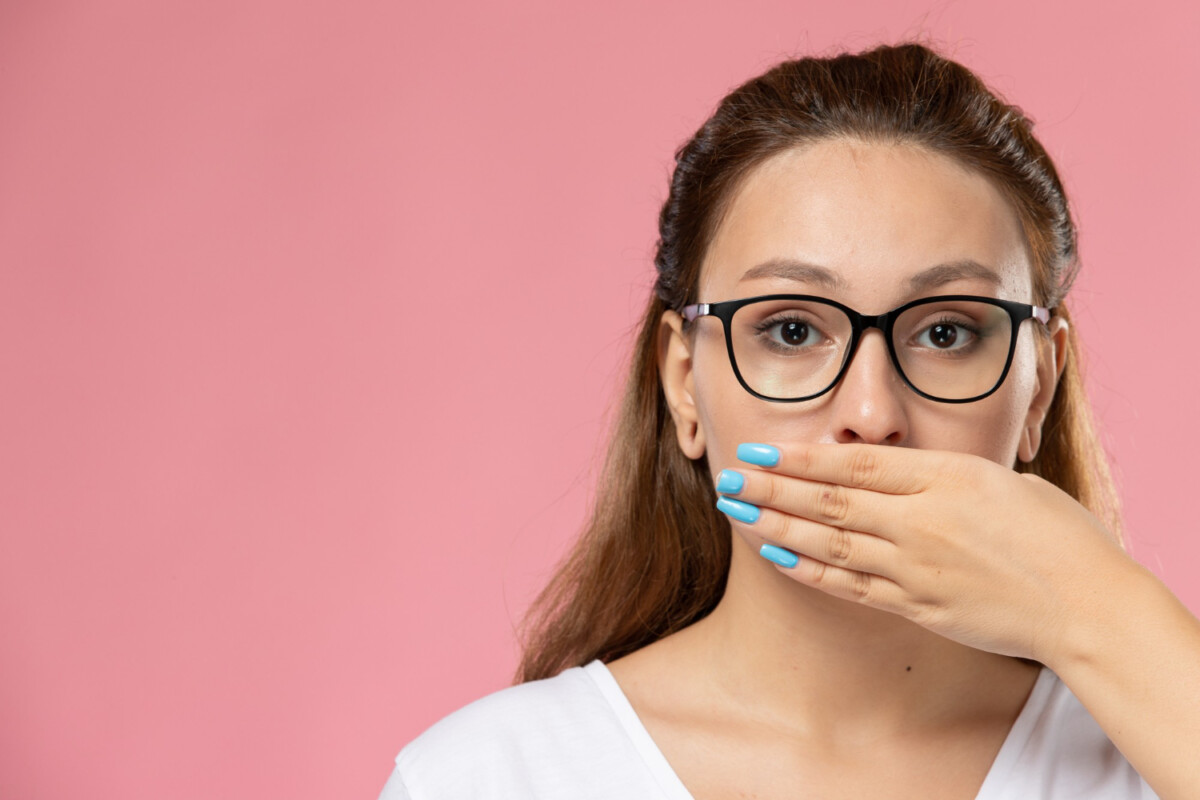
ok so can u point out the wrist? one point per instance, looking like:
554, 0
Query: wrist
1100, 622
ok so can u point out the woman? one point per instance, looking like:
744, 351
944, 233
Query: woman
855, 501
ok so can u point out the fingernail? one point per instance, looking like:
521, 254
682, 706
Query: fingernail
742, 512
761, 454
784, 558
730, 481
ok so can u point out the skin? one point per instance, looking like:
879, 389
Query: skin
926, 563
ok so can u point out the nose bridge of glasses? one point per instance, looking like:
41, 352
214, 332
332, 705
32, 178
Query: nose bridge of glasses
883, 325
862, 324
862, 330
878, 321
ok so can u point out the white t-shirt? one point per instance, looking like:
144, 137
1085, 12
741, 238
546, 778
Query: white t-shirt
576, 736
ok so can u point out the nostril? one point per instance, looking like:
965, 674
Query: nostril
865, 436
853, 436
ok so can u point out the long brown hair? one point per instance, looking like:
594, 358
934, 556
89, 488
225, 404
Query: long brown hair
655, 554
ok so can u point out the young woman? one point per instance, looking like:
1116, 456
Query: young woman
856, 537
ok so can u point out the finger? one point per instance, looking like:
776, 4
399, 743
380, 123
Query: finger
863, 588
894, 470
850, 550
829, 503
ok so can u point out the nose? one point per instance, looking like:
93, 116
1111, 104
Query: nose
868, 404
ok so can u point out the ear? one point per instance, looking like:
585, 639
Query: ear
675, 371
1050, 369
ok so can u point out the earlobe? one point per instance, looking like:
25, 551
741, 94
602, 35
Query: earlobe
1031, 442
1050, 369
675, 372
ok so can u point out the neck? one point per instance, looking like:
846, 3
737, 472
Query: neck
793, 655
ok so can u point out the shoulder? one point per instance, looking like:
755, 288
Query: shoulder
1056, 749
520, 718
553, 737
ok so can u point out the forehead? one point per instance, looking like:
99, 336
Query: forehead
875, 215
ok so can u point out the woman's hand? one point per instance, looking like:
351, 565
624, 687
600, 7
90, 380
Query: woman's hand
959, 544
995, 560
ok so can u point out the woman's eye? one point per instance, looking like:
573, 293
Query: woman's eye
945, 336
793, 333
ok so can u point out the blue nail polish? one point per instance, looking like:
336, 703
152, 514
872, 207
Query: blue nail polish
761, 454
730, 481
784, 558
742, 512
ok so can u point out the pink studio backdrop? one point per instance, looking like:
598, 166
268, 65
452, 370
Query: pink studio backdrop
311, 316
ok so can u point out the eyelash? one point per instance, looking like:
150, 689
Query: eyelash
974, 330
764, 327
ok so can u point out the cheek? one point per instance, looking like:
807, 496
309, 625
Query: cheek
990, 428
729, 415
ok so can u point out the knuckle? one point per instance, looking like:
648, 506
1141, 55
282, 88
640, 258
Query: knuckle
839, 547
860, 586
774, 493
864, 468
803, 461
833, 504
772, 527
926, 615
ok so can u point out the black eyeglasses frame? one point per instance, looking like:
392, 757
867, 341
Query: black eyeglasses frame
724, 311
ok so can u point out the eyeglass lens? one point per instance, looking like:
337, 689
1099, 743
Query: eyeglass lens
951, 349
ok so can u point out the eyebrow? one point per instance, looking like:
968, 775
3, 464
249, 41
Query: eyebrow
950, 272
793, 270
938, 275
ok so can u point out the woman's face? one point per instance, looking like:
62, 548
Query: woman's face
872, 226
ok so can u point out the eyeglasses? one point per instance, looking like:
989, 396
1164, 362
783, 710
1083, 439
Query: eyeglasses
790, 347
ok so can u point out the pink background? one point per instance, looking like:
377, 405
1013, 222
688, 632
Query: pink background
311, 315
